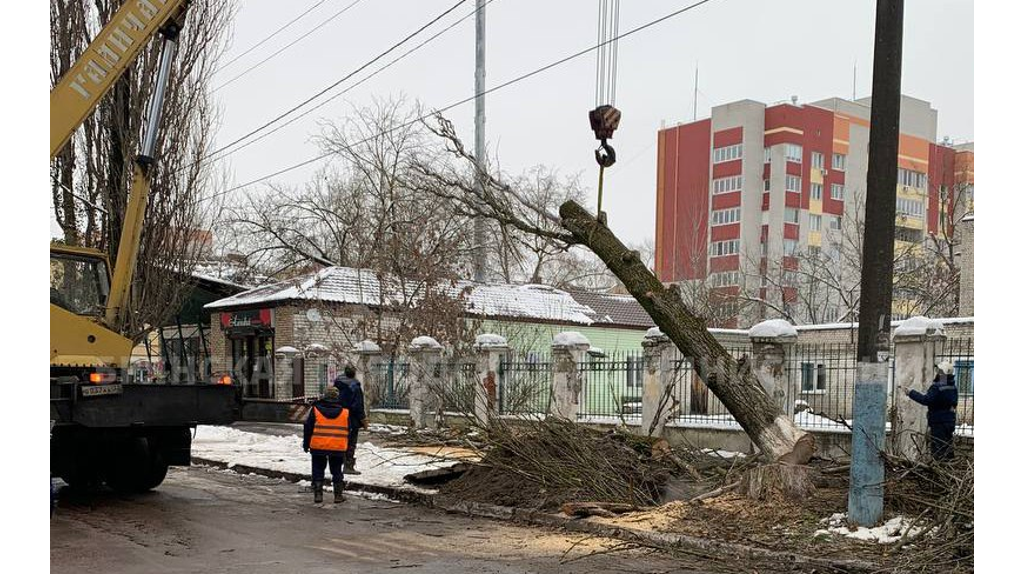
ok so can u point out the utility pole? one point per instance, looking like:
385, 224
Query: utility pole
480, 150
867, 472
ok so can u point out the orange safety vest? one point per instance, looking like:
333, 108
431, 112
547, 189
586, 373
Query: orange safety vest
330, 434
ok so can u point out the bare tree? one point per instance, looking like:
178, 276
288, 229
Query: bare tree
732, 381
92, 175
365, 212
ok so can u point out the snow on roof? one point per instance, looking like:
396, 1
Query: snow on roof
363, 287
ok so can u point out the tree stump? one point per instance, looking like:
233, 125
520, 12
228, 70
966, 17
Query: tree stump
778, 482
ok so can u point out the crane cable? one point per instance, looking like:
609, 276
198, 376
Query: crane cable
604, 118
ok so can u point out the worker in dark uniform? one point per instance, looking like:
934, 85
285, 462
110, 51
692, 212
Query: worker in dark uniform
941, 400
351, 393
325, 436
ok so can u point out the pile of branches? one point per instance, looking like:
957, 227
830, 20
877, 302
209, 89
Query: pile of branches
546, 463
940, 498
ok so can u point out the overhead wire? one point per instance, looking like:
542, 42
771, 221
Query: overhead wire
334, 84
265, 40
286, 46
474, 96
353, 86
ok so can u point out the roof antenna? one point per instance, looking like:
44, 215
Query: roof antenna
855, 80
696, 74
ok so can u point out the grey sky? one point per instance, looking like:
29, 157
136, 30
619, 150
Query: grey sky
761, 50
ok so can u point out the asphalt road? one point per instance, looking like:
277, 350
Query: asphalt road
206, 520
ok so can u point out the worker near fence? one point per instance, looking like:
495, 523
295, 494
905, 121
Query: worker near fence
325, 436
351, 393
941, 400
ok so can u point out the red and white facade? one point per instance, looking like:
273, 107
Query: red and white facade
754, 185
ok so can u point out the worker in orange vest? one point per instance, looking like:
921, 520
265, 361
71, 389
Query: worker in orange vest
325, 436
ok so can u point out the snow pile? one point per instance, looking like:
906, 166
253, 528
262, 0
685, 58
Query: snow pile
653, 333
367, 346
569, 339
425, 342
723, 453
917, 326
772, 328
490, 340
379, 466
893, 530
381, 428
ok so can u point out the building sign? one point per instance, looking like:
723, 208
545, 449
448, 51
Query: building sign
249, 318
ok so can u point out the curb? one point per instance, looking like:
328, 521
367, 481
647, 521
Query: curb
692, 544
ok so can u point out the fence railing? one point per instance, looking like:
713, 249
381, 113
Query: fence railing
821, 379
386, 385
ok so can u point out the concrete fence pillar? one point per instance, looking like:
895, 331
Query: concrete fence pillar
771, 344
424, 377
659, 397
568, 351
367, 357
917, 341
489, 349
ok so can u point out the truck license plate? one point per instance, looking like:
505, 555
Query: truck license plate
100, 390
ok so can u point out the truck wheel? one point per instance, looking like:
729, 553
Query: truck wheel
138, 469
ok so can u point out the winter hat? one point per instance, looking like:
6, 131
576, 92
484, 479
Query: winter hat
331, 393
945, 367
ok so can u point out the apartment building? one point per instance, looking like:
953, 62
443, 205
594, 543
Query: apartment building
747, 197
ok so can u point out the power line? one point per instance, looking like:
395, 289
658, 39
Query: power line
350, 88
335, 84
474, 96
264, 40
289, 45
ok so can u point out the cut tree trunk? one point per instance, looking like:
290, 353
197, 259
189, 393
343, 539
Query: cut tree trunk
732, 381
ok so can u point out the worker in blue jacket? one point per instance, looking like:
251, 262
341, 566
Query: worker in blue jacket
351, 395
941, 400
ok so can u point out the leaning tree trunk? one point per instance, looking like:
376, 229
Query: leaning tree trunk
733, 382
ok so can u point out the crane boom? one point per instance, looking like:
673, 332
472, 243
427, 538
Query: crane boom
103, 62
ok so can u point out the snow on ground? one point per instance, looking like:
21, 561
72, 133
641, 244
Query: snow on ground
891, 531
380, 466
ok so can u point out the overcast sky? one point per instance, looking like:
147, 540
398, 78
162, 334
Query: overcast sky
761, 50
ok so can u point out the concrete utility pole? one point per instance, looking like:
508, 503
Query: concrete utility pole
867, 472
479, 225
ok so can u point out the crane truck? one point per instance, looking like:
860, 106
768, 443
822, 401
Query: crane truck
105, 427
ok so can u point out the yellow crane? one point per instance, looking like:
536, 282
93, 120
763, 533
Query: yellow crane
106, 428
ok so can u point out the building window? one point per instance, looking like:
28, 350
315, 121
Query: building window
793, 183
725, 279
728, 153
835, 222
837, 191
767, 155
839, 161
910, 178
812, 377
789, 247
816, 191
815, 223
767, 185
909, 207
908, 234
727, 184
725, 216
722, 248
963, 374
791, 215
817, 160
794, 153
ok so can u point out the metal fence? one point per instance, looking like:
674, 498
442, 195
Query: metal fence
386, 385
457, 386
524, 384
612, 387
821, 379
692, 401
960, 352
